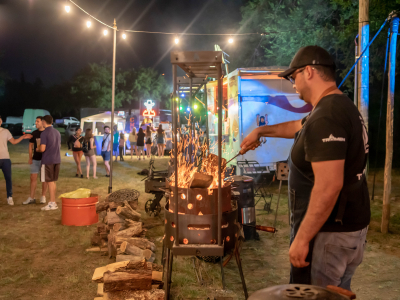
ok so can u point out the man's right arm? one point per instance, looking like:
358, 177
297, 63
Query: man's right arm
285, 130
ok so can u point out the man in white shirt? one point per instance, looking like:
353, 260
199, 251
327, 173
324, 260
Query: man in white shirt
5, 162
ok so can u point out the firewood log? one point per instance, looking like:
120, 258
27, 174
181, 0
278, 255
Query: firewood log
112, 249
133, 250
113, 205
154, 294
128, 213
133, 204
136, 276
138, 242
201, 180
122, 257
134, 230
119, 226
113, 218
100, 289
101, 206
101, 227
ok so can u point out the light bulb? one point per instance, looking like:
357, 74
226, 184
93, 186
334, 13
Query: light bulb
230, 40
176, 40
88, 24
67, 8
195, 106
105, 32
124, 36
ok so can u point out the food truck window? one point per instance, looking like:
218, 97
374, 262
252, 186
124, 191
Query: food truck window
100, 127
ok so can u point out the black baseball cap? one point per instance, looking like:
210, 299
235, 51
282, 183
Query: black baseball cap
306, 56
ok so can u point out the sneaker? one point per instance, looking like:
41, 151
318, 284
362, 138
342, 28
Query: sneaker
50, 206
42, 199
29, 201
81, 175
10, 201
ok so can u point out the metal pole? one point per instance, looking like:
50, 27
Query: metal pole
190, 119
208, 129
175, 130
112, 105
219, 153
356, 76
387, 183
363, 78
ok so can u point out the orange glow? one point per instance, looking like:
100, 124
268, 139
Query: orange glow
199, 197
185, 241
171, 238
190, 205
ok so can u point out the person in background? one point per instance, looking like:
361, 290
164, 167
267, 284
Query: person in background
115, 142
75, 143
5, 162
50, 144
160, 141
90, 155
148, 140
121, 146
35, 159
132, 141
106, 149
140, 144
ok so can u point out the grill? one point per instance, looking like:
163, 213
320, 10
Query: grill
198, 218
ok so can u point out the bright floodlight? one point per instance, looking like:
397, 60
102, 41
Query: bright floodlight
88, 24
195, 106
67, 8
124, 36
105, 32
230, 40
176, 40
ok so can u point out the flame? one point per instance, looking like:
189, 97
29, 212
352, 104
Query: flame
206, 163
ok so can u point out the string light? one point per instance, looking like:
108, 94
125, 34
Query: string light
105, 32
195, 106
176, 40
124, 36
88, 24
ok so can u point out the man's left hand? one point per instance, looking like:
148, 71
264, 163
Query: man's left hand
298, 252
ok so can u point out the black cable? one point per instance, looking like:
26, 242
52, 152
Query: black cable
380, 114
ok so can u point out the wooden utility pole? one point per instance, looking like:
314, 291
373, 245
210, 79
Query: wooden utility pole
387, 184
363, 65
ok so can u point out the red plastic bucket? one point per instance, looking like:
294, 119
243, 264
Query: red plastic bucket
79, 212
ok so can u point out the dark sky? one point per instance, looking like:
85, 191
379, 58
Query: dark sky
39, 38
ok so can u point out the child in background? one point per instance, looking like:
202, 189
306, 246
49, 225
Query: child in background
121, 146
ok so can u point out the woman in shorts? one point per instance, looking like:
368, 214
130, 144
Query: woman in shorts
160, 141
149, 142
132, 141
90, 155
140, 144
76, 141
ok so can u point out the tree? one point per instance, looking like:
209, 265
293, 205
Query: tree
91, 87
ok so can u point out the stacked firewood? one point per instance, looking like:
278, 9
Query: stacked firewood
139, 280
121, 234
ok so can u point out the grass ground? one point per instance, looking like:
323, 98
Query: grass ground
42, 259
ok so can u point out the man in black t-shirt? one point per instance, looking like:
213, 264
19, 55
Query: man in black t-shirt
35, 159
328, 193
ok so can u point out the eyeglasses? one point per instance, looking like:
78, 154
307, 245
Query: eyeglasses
291, 78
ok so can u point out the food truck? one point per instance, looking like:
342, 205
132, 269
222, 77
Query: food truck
253, 97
